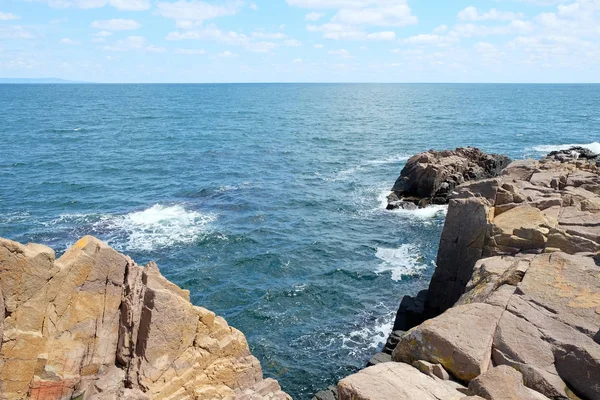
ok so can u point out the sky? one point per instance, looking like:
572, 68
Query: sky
301, 40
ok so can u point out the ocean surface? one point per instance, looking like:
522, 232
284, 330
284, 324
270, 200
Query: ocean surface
266, 201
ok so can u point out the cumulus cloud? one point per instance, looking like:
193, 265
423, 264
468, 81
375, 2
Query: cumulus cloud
196, 11
116, 25
342, 53
15, 32
354, 20
6, 16
69, 42
131, 5
314, 16
190, 52
472, 14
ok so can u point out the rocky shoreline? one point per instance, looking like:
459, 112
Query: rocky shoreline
513, 308
93, 324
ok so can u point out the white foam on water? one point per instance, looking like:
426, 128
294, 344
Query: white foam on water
373, 337
403, 261
595, 147
162, 226
341, 175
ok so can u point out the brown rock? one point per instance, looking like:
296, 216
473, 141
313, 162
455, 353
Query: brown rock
501, 383
460, 340
95, 324
395, 381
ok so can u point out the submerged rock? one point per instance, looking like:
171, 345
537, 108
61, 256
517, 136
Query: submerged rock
93, 324
430, 177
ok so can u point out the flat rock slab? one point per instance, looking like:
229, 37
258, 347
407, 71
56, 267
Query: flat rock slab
395, 381
460, 340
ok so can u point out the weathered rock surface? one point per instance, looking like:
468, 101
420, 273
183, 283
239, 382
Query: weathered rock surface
430, 177
502, 383
513, 308
96, 325
395, 381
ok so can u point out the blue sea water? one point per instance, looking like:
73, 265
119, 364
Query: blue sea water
266, 201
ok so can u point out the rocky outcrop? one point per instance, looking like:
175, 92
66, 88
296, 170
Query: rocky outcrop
513, 308
430, 177
95, 325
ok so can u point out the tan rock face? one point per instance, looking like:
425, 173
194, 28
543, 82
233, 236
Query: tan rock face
95, 324
460, 340
534, 207
501, 383
395, 381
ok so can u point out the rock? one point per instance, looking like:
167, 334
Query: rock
433, 370
411, 312
501, 383
329, 394
95, 325
395, 381
460, 340
572, 154
392, 341
461, 245
433, 175
379, 358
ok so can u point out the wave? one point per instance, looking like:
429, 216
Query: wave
403, 261
373, 336
428, 212
162, 226
343, 174
154, 228
595, 147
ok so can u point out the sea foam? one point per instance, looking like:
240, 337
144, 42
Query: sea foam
403, 261
162, 226
547, 148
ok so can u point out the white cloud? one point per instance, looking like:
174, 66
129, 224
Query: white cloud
297, 61
15, 32
261, 47
430, 40
226, 54
211, 32
314, 16
4, 16
318, 46
292, 43
441, 29
131, 5
395, 15
69, 42
472, 14
155, 49
353, 18
116, 25
253, 6
128, 44
196, 11
190, 52
268, 35
343, 53
387, 35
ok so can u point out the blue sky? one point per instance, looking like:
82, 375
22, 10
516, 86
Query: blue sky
301, 40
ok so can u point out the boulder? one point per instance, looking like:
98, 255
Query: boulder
95, 325
433, 175
502, 383
460, 340
395, 381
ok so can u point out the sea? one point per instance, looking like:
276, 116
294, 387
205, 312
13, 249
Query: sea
266, 201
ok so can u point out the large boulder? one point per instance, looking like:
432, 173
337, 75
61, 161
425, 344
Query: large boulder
433, 175
95, 324
460, 340
502, 383
395, 381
